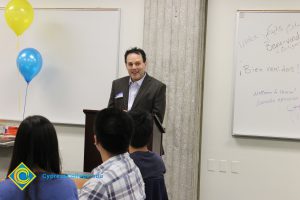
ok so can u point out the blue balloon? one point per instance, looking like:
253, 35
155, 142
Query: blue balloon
29, 62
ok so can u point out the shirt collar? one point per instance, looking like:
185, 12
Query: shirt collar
110, 161
139, 82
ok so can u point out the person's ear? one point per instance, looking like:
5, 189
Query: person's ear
97, 144
95, 140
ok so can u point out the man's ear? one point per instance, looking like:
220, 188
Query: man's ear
95, 140
97, 144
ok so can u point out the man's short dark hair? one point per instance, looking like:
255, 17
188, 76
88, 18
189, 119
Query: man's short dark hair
143, 127
135, 50
113, 129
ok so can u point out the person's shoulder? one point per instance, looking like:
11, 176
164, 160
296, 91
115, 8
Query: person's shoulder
66, 182
7, 189
64, 188
6, 183
119, 176
136, 154
148, 156
122, 79
155, 81
158, 160
63, 182
155, 156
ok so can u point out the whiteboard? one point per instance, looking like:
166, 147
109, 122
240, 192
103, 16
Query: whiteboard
80, 59
267, 75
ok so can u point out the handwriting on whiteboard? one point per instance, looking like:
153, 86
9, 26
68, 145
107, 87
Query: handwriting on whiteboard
247, 69
275, 38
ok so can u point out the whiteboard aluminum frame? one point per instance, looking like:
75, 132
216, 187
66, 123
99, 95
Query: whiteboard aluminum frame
249, 134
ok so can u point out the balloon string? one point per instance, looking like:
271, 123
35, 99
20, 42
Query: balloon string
25, 100
19, 75
19, 95
18, 43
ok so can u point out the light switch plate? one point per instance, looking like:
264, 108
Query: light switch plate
212, 165
235, 167
223, 166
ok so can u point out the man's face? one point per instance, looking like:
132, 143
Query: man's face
135, 66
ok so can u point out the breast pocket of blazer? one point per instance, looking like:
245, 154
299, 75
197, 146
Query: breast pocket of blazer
119, 102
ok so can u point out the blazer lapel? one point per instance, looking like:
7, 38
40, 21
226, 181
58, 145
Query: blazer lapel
141, 91
125, 93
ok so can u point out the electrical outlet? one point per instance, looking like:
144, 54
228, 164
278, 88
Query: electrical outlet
235, 167
212, 165
223, 166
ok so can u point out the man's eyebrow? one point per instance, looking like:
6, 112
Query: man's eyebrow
135, 62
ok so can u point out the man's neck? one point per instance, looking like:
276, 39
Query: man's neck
133, 149
132, 81
105, 155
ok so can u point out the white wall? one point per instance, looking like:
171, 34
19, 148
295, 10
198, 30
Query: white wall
71, 138
265, 169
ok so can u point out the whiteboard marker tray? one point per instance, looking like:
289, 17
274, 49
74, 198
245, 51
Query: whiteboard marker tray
7, 141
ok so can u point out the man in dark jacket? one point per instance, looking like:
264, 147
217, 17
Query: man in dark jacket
138, 90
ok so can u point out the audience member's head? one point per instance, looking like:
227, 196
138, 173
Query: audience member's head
36, 145
143, 127
113, 130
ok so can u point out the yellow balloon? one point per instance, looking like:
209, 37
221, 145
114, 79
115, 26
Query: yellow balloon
19, 15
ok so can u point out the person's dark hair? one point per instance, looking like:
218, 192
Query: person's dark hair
143, 127
113, 129
136, 51
36, 145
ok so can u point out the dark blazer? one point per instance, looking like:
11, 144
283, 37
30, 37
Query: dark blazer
151, 96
